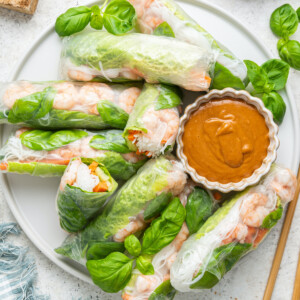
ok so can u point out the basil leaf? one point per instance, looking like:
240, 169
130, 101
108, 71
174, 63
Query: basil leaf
277, 72
224, 78
258, 77
111, 140
144, 265
164, 229
290, 52
100, 250
298, 13
31, 107
164, 291
169, 97
112, 114
73, 20
119, 17
157, 205
272, 218
133, 245
199, 208
95, 9
112, 273
49, 140
274, 102
96, 22
164, 29
284, 21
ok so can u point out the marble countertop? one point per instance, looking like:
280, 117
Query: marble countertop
18, 31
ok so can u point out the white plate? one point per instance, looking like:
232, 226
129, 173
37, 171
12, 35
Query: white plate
32, 199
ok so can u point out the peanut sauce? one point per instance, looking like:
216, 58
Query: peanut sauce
226, 140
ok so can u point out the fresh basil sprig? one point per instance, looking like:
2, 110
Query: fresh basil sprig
144, 265
133, 245
118, 18
266, 80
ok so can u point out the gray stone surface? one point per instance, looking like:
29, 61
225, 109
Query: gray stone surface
18, 31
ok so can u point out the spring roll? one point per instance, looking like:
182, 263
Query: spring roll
124, 214
157, 286
101, 56
61, 104
237, 228
47, 153
154, 122
229, 70
83, 191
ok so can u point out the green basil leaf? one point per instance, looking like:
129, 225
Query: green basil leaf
274, 102
144, 265
164, 291
133, 245
100, 250
164, 229
199, 208
258, 77
272, 218
164, 29
169, 97
223, 78
112, 273
290, 52
95, 9
298, 13
111, 140
96, 22
284, 21
73, 20
277, 72
119, 17
112, 114
49, 140
156, 205
31, 107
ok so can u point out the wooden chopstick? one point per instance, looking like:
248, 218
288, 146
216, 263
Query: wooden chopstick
296, 292
282, 241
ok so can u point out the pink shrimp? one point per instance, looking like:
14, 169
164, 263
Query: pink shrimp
128, 97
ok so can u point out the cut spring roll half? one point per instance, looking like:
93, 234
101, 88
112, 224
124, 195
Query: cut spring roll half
201, 205
229, 70
124, 214
47, 153
61, 104
237, 228
93, 56
154, 122
84, 189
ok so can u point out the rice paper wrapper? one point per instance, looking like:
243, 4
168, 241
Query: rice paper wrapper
76, 207
62, 104
236, 228
101, 56
123, 214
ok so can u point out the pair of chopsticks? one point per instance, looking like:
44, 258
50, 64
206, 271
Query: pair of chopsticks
280, 249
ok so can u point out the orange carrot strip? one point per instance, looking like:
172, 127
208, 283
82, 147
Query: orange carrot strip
93, 166
217, 196
100, 187
260, 235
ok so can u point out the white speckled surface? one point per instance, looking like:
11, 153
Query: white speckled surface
17, 32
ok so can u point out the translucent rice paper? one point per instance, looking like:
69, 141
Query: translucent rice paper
234, 230
59, 104
17, 158
154, 12
124, 213
150, 130
76, 205
101, 56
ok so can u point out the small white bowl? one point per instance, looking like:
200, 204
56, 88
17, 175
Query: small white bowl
272, 149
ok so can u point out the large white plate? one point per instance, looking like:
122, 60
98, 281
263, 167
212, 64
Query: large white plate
32, 199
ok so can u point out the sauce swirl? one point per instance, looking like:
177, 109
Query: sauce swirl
226, 140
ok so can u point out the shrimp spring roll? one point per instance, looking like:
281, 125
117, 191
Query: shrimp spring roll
153, 125
199, 206
100, 56
124, 214
47, 153
229, 70
237, 228
61, 104
83, 191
